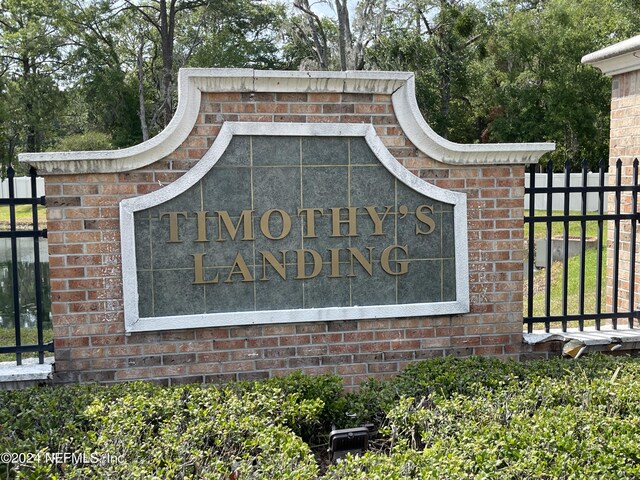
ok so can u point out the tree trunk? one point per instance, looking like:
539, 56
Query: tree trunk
31, 143
317, 32
142, 113
345, 41
167, 28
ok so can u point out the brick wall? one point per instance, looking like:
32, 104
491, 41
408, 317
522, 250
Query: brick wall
624, 146
86, 282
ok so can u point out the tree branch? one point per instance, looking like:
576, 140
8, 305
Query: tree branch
150, 19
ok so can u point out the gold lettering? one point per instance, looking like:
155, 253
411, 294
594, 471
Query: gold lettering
198, 270
246, 219
286, 224
202, 226
239, 267
403, 265
375, 218
335, 263
268, 257
337, 221
424, 218
366, 264
302, 270
310, 220
174, 236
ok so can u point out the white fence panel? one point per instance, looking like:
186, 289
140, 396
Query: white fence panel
22, 187
575, 199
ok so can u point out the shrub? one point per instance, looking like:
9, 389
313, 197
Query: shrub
185, 432
447, 418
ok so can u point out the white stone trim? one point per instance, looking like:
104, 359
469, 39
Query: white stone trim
29, 371
193, 81
616, 59
133, 323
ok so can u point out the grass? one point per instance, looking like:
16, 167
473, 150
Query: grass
28, 336
23, 214
573, 288
573, 274
557, 228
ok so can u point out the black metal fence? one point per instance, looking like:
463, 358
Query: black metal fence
13, 234
549, 316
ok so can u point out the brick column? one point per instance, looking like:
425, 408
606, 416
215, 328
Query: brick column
621, 62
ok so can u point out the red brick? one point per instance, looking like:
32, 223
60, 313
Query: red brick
262, 342
196, 346
84, 259
420, 332
295, 340
324, 97
383, 367
238, 108
238, 366
272, 108
405, 344
355, 119
222, 97
118, 189
351, 369
316, 350
247, 117
246, 332
323, 118
77, 272
311, 328
375, 347
274, 330
358, 336
373, 108
497, 172
156, 348
389, 334
74, 342
228, 344
75, 188
344, 348
307, 108
465, 341
373, 325
496, 350
328, 338
213, 357
290, 118
291, 97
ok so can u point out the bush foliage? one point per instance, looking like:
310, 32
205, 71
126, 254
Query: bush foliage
447, 418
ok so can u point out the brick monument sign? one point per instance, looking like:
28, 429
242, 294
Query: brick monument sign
282, 221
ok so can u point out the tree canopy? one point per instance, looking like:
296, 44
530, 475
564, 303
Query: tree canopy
100, 74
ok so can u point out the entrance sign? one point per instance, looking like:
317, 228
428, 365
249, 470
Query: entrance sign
292, 222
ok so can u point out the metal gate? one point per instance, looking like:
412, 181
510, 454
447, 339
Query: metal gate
597, 220
13, 233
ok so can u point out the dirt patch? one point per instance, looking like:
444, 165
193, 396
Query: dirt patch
540, 279
5, 226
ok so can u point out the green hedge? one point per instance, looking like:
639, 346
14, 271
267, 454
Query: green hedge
448, 418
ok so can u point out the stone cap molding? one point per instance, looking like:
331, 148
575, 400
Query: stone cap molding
616, 59
193, 81
134, 323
